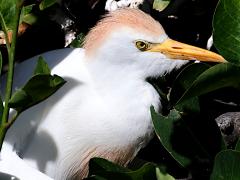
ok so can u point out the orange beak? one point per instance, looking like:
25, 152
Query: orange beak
181, 51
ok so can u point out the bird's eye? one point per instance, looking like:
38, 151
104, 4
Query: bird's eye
142, 45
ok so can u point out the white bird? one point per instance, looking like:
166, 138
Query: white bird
104, 108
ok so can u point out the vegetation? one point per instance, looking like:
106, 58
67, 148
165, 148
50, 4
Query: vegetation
187, 131
40, 86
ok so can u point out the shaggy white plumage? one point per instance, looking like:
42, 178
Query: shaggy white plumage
104, 108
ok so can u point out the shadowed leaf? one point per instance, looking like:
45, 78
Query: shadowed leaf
226, 166
103, 169
183, 81
164, 128
216, 77
1, 108
97, 165
237, 147
171, 130
37, 89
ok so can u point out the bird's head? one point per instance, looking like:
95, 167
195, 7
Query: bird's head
132, 40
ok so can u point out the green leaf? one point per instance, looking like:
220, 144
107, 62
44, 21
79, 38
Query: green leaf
37, 89
216, 77
1, 109
20, 99
226, 31
237, 147
164, 127
97, 165
226, 166
27, 16
173, 132
95, 178
103, 169
163, 176
46, 3
7, 9
160, 5
1, 62
146, 172
30, 18
183, 81
78, 41
42, 67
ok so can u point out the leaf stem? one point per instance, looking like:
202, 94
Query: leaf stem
11, 56
9, 123
4, 27
5, 127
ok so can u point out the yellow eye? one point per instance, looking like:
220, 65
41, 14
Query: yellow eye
142, 45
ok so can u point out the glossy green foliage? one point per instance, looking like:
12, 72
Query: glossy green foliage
183, 82
160, 5
42, 67
226, 29
7, 9
216, 77
163, 176
37, 89
78, 41
46, 3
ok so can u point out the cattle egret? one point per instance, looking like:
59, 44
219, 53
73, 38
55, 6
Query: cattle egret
104, 108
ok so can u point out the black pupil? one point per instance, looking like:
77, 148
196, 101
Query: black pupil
142, 44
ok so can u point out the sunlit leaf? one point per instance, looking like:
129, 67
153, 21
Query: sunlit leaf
8, 9
46, 3
27, 16
226, 166
30, 18
226, 31
78, 41
20, 99
160, 5
163, 176
42, 67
